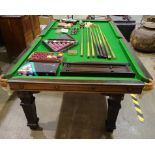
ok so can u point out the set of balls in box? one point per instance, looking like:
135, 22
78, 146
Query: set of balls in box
41, 64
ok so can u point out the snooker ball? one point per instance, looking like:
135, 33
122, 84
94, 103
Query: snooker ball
60, 54
49, 56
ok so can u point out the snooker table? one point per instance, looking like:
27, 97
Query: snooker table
114, 87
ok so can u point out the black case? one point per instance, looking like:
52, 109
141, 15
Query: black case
46, 69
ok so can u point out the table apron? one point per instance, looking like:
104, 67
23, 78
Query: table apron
78, 87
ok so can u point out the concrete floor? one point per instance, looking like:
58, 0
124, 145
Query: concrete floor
76, 115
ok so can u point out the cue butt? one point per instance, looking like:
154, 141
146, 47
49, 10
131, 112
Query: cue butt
92, 45
81, 50
112, 53
96, 45
88, 46
99, 46
105, 43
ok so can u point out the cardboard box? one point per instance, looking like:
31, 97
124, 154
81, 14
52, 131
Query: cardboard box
44, 20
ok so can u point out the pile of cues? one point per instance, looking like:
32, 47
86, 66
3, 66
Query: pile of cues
97, 43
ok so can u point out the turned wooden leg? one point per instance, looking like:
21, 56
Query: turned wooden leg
29, 108
114, 105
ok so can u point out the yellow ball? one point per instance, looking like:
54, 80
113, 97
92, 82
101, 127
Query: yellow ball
60, 54
49, 56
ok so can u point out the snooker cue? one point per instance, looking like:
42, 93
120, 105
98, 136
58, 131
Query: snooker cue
88, 48
107, 49
112, 53
103, 46
92, 45
99, 39
95, 44
81, 51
